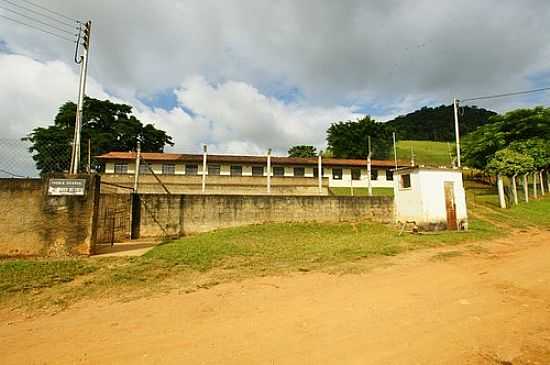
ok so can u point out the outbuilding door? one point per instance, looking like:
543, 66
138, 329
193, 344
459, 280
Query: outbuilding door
450, 205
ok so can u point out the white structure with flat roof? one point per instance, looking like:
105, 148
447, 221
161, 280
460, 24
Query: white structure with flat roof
432, 198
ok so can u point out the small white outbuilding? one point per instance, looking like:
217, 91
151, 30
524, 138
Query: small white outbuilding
431, 198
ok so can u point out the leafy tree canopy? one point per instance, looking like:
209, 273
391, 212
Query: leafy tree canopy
437, 124
524, 130
350, 139
302, 151
509, 162
109, 126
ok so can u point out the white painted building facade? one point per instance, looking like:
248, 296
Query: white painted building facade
432, 198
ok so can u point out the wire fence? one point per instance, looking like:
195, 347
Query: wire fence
18, 161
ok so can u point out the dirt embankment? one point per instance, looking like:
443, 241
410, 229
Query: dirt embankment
487, 304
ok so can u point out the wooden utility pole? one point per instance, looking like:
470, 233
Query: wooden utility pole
457, 133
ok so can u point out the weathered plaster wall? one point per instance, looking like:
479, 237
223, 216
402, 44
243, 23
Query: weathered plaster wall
33, 223
175, 215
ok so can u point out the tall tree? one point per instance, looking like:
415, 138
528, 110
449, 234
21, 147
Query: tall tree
350, 139
302, 151
109, 126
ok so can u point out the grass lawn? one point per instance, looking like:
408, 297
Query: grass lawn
204, 260
426, 152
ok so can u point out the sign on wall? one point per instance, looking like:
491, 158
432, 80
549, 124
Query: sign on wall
60, 187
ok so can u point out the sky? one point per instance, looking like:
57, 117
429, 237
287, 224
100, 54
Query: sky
246, 75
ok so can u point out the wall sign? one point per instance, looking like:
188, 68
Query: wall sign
60, 187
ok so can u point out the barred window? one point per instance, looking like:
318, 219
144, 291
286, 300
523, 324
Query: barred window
144, 168
278, 171
405, 181
299, 171
236, 170
356, 174
257, 171
316, 172
191, 169
121, 168
214, 170
374, 174
389, 175
337, 174
169, 169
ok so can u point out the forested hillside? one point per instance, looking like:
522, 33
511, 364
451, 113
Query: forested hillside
437, 124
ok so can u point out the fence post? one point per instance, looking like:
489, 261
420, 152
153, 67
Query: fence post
535, 193
515, 189
500, 185
526, 188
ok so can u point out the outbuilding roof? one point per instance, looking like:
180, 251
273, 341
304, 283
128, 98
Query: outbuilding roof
275, 160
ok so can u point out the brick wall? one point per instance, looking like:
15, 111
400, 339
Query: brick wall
175, 215
34, 223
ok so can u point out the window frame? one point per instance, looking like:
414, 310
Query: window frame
171, 171
213, 167
278, 168
356, 177
232, 168
255, 173
119, 164
389, 175
374, 174
336, 176
299, 168
405, 178
144, 169
191, 169
316, 172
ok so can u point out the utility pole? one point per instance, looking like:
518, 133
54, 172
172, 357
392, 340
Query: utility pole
320, 172
83, 61
204, 154
137, 167
457, 133
89, 156
269, 171
395, 151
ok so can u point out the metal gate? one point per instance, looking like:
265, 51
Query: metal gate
450, 206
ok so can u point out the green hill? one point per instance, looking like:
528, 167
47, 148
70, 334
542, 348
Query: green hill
437, 124
427, 153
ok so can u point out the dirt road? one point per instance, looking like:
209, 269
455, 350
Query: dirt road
454, 306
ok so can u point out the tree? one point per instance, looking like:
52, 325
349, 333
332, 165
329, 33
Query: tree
109, 126
350, 139
302, 151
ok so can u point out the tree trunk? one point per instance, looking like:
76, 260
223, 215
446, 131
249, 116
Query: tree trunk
501, 198
548, 180
526, 188
535, 194
515, 190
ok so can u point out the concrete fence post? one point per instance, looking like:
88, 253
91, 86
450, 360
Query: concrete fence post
535, 193
515, 189
500, 185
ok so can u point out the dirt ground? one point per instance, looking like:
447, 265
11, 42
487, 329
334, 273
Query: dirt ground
487, 304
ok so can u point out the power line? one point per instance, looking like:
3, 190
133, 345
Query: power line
39, 21
49, 10
507, 94
37, 28
39, 13
11, 174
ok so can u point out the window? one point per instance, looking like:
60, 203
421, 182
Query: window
374, 174
144, 168
278, 171
121, 168
389, 175
191, 169
316, 172
356, 174
214, 170
236, 170
405, 181
168, 169
337, 174
299, 172
257, 171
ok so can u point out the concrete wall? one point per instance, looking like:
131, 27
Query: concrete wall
239, 185
34, 223
176, 215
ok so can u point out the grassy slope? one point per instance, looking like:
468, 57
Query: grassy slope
206, 259
426, 152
